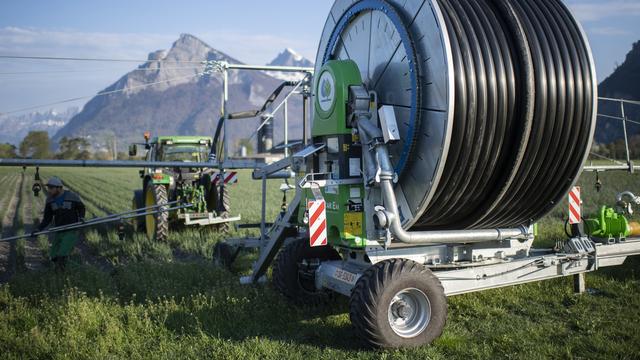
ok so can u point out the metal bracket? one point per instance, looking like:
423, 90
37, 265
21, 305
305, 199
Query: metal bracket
309, 181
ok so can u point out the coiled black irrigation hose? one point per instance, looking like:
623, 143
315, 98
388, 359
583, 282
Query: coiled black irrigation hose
524, 112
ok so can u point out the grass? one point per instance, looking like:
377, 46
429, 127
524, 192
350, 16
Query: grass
152, 302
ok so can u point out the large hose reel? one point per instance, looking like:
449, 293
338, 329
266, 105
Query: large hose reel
495, 101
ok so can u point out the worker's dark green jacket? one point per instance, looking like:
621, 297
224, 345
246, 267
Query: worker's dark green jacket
63, 210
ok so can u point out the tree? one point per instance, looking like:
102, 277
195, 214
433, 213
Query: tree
7, 151
74, 149
35, 145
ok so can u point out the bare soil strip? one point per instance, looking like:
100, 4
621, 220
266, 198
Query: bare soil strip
9, 227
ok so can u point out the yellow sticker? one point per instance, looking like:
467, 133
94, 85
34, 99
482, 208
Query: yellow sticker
353, 223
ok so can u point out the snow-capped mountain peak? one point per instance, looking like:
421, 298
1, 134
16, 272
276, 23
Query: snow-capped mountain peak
294, 54
289, 57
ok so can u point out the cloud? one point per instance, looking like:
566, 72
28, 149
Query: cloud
246, 47
601, 10
255, 49
44, 42
40, 82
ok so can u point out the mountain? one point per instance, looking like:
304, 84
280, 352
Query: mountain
289, 57
179, 101
20, 125
624, 83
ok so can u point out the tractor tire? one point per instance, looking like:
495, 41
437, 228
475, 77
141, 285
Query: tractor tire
138, 203
156, 225
210, 195
223, 208
291, 272
398, 303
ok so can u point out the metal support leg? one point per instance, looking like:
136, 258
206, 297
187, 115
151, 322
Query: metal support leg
305, 123
579, 286
626, 136
286, 128
263, 212
275, 240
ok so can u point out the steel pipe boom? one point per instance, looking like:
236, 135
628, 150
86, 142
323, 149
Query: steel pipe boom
597, 168
96, 221
228, 164
270, 68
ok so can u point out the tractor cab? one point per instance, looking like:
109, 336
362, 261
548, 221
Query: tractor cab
183, 148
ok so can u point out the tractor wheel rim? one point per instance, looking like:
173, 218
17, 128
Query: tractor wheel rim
409, 312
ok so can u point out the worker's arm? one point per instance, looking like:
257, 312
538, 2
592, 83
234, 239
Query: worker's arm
48, 216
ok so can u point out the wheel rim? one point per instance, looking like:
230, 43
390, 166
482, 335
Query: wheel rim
409, 313
150, 220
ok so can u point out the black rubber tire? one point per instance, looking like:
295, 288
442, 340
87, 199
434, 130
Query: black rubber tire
286, 276
138, 203
160, 231
210, 195
371, 298
223, 208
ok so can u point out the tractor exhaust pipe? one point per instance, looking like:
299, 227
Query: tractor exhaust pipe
378, 169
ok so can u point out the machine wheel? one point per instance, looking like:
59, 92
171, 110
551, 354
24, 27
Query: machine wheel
156, 225
293, 272
398, 303
138, 203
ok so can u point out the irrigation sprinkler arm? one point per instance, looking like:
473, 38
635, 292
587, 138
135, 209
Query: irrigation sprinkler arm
151, 210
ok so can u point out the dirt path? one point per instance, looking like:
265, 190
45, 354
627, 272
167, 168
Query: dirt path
9, 227
33, 259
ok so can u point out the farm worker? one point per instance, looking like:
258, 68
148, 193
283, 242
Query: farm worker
62, 208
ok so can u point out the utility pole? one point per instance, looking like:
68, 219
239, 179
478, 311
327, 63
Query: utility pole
115, 147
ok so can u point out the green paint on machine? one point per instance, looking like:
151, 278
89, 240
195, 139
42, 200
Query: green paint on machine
341, 158
609, 224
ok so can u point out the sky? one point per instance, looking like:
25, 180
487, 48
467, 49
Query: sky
253, 31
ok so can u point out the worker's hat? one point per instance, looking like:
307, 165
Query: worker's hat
54, 182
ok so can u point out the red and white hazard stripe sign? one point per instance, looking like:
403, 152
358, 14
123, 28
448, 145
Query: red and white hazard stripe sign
575, 203
317, 223
230, 178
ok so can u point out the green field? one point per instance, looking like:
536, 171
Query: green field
141, 299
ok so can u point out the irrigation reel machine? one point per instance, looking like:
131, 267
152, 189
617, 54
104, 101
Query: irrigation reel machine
442, 131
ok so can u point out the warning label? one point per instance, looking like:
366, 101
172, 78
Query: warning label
353, 224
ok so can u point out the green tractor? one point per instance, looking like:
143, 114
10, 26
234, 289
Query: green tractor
205, 189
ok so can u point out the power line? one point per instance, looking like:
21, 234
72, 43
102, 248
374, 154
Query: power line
17, 57
99, 94
90, 70
619, 118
